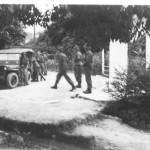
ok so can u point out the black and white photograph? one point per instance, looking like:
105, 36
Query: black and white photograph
74, 75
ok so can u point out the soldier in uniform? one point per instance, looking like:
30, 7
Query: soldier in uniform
45, 63
88, 68
36, 71
24, 62
62, 64
78, 66
40, 60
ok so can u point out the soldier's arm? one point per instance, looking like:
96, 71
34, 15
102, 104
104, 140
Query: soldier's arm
87, 60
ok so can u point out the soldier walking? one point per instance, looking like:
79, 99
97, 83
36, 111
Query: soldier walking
62, 64
88, 68
78, 66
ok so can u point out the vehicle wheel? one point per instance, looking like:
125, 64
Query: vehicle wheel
28, 77
12, 80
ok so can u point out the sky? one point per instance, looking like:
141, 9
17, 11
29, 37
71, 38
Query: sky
125, 2
42, 7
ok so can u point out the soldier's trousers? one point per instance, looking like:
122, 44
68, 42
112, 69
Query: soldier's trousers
45, 68
88, 79
78, 74
42, 68
63, 73
24, 75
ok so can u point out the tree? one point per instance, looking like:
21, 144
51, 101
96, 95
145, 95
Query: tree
12, 20
98, 24
43, 43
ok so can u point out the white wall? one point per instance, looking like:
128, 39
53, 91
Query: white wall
118, 57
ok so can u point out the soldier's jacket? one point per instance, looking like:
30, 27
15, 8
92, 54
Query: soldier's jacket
35, 63
40, 58
24, 62
78, 59
45, 58
62, 61
88, 60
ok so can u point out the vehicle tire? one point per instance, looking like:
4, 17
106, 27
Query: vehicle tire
12, 80
28, 77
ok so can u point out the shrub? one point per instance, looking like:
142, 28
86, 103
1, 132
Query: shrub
97, 63
131, 89
132, 83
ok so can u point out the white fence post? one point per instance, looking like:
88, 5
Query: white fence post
103, 60
118, 58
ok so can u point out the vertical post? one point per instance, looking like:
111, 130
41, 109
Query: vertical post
103, 67
34, 37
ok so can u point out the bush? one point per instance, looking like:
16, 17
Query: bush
131, 89
132, 83
97, 64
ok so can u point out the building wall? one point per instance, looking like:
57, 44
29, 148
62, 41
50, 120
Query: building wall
118, 58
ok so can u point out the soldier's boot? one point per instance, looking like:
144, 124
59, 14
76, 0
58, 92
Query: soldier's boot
88, 91
71, 83
73, 88
42, 78
79, 85
57, 81
54, 87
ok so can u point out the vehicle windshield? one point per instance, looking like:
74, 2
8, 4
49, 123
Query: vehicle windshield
9, 57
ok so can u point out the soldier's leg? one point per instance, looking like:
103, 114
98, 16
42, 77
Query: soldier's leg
59, 75
42, 68
21, 75
88, 81
45, 68
78, 77
75, 73
69, 80
41, 75
25, 76
37, 73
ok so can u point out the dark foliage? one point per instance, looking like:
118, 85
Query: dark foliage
98, 24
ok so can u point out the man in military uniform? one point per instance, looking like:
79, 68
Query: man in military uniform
24, 62
36, 70
88, 68
78, 66
62, 64
40, 60
45, 63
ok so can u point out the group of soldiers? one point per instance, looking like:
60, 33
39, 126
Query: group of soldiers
79, 63
37, 66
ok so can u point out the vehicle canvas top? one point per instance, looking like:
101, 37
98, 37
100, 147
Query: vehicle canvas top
11, 57
16, 51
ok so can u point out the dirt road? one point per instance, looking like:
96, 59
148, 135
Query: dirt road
39, 103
